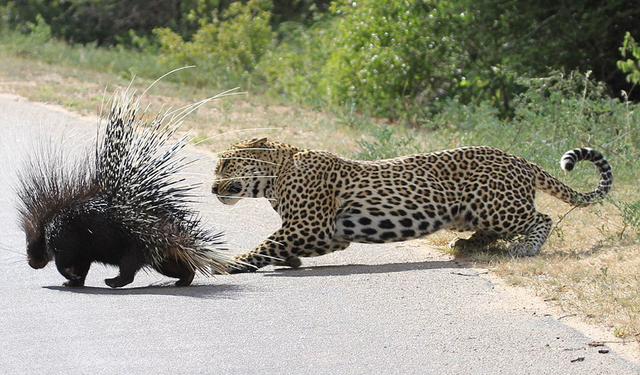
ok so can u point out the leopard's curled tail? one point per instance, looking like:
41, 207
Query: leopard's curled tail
552, 186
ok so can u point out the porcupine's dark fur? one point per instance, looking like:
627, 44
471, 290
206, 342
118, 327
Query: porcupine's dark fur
120, 205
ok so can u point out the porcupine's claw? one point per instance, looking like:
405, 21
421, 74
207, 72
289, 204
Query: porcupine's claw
73, 280
74, 283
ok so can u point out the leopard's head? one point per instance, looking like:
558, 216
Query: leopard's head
246, 170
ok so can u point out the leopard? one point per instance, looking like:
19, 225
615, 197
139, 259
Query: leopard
326, 201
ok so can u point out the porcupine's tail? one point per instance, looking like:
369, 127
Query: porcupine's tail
552, 186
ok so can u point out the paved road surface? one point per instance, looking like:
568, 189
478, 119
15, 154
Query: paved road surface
392, 309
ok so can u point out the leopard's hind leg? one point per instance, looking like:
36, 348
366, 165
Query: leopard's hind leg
536, 231
478, 240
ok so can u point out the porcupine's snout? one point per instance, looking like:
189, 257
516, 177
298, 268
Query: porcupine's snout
38, 263
38, 259
37, 255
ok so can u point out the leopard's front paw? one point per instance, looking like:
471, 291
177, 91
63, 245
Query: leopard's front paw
293, 262
240, 268
251, 262
241, 264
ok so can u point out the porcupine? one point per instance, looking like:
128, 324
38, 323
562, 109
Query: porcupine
120, 205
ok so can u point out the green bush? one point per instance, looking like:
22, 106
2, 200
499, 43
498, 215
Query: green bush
122, 61
229, 46
386, 52
106, 22
630, 65
293, 70
387, 142
630, 213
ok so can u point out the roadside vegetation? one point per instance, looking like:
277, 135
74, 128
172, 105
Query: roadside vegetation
381, 78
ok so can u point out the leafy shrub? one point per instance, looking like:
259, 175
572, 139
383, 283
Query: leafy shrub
630, 66
293, 69
387, 142
386, 51
106, 22
230, 44
630, 213
31, 43
40, 31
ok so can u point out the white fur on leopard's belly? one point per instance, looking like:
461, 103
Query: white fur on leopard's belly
373, 226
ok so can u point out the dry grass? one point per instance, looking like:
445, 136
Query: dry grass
585, 267
214, 126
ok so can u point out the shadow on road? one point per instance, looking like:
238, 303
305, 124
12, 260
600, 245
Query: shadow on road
227, 291
358, 269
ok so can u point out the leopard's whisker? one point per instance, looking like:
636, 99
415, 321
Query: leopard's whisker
239, 197
250, 159
246, 149
233, 132
241, 178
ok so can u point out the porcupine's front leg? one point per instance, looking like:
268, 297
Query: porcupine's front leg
75, 272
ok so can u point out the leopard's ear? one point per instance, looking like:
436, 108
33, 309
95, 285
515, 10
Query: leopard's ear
252, 143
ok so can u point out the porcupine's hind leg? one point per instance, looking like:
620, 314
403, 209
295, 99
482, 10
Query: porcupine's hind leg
177, 269
536, 231
129, 264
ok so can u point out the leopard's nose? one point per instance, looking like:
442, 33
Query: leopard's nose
214, 189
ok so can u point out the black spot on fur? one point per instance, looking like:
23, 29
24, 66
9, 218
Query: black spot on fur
388, 235
369, 231
364, 221
386, 224
408, 233
407, 223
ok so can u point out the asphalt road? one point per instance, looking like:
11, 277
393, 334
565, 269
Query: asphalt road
371, 309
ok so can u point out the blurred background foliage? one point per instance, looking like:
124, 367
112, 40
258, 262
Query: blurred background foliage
397, 59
